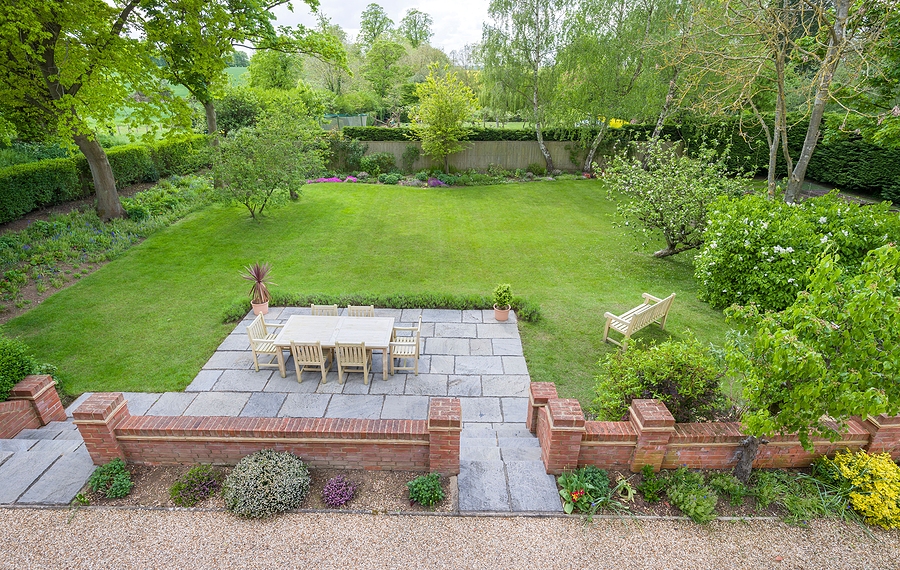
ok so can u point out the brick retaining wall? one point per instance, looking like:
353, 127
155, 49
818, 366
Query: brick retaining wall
651, 437
32, 403
110, 431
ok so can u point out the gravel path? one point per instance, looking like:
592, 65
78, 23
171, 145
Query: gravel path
106, 538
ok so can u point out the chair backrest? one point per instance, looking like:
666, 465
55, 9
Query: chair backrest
324, 310
307, 352
360, 310
257, 329
352, 354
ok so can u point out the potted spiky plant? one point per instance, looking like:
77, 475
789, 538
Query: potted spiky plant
502, 301
258, 273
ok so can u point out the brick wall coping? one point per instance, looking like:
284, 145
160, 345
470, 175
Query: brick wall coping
609, 433
884, 421
565, 415
99, 407
32, 387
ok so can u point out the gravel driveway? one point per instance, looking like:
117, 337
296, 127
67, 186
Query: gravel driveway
108, 538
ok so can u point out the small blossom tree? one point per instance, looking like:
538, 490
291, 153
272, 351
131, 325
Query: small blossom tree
833, 354
668, 192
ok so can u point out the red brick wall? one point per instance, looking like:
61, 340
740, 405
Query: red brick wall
609, 444
32, 403
110, 431
16, 415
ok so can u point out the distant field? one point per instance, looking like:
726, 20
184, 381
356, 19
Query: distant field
236, 76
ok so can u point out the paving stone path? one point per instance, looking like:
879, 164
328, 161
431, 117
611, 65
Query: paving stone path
466, 354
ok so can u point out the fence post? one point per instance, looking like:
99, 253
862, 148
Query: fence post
97, 418
444, 427
654, 425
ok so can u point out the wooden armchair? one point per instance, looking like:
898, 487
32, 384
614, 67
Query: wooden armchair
324, 310
262, 343
360, 310
311, 356
353, 355
406, 348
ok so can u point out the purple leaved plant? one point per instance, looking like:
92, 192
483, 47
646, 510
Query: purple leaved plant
337, 492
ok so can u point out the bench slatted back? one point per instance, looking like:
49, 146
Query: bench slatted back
650, 314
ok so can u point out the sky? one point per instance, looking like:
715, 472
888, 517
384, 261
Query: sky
456, 22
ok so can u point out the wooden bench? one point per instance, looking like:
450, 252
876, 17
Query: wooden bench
652, 310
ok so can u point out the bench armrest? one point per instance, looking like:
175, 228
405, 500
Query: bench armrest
615, 318
649, 297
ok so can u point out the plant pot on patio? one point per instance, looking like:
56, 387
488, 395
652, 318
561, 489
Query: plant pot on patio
259, 292
502, 302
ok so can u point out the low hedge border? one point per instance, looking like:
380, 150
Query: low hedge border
525, 310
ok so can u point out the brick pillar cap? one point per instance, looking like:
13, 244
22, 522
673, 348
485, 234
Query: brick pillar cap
565, 413
445, 413
99, 406
30, 386
541, 392
651, 414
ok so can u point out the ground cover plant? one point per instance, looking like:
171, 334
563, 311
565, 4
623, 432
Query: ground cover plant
555, 244
266, 483
426, 490
112, 480
196, 485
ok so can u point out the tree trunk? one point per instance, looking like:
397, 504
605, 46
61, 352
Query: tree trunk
589, 161
446, 164
537, 127
746, 454
211, 126
108, 204
664, 112
829, 65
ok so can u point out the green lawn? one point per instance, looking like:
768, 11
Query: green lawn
150, 319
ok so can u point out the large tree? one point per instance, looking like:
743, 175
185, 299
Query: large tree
271, 69
381, 68
373, 24
68, 67
416, 27
524, 39
445, 103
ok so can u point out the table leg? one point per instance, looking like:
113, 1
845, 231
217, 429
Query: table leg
384, 364
281, 363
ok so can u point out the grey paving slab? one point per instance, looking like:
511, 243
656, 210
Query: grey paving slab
442, 364
357, 387
452, 346
520, 453
514, 429
405, 408
244, 380
473, 316
521, 441
238, 341
68, 424
289, 384
396, 313
514, 409
499, 330
486, 441
38, 433
140, 402
58, 446
482, 486
14, 445
171, 404
506, 346
62, 481
332, 386
204, 381
426, 385
470, 453
304, 406
531, 488
231, 360
464, 386
440, 316
505, 385
288, 312
263, 405
410, 315
395, 384
347, 406
481, 409
218, 404
427, 329
19, 472
479, 365
477, 431
457, 330
4, 455
69, 434
78, 401
481, 347
357, 378
515, 365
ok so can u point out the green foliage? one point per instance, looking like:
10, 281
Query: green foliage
344, 155
537, 169
237, 108
410, 155
266, 483
669, 193
26, 187
378, 163
587, 490
389, 178
111, 480
652, 486
416, 27
803, 497
872, 482
683, 374
271, 69
381, 68
131, 164
502, 295
196, 485
760, 251
525, 310
832, 353
426, 490
16, 363
24, 152
183, 155
688, 491
728, 485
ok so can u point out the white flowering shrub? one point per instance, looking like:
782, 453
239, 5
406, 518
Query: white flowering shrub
266, 483
761, 251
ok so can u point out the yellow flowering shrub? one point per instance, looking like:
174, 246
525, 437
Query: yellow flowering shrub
873, 484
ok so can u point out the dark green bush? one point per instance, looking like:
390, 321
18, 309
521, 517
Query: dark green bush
426, 490
344, 155
131, 164
111, 480
688, 491
16, 363
537, 169
378, 163
25, 187
652, 486
266, 483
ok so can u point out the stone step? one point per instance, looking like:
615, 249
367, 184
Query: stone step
14, 445
62, 481
482, 486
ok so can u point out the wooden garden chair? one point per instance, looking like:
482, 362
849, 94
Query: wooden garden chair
360, 310
353, 355
406, 348
324, 310
311, 355
262, 343
652, 310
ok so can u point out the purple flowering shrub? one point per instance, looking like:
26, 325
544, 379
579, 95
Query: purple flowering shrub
337, 492
197, 484
435, 183
332, 179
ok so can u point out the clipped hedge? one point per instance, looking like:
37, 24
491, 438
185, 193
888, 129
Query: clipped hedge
368, 134
27, 187
525, 310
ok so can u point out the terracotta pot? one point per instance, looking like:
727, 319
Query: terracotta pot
260, 308
501, 314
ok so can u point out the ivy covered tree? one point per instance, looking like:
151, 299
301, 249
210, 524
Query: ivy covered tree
445, 103
832, 355
669, 192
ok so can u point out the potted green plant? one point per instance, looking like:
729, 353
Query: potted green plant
258, 273
502, 301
